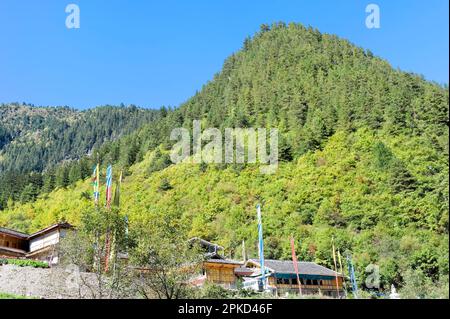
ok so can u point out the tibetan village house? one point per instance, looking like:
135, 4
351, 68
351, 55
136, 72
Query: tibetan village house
282, 278
216, 268
38, 246
221, 272
281, 275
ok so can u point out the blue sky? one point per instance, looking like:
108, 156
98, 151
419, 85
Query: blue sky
153, 53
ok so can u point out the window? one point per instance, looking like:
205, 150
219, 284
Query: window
286, 281
7, 244
279, 281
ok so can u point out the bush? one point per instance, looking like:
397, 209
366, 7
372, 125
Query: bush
212, 291
165, 185
159, 162
11, 296
24, 263
418, 285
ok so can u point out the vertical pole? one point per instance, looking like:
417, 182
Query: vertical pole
351, 271
295, 262
261, 246
335, 268
341, 270
108, 206
244, 252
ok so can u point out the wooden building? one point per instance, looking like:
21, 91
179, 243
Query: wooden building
282, 278
13, 243
221, 272
215, 268
38, 246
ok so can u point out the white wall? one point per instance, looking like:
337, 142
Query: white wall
48, 239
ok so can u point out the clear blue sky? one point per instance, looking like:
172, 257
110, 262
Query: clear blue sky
153, 53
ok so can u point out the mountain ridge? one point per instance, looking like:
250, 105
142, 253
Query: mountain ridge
363, 158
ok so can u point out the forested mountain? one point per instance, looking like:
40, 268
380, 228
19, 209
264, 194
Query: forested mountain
35, 139
364, 151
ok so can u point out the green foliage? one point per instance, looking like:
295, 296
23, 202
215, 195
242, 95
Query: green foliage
165, 185
168, 258
419, 286
363, 149
100, 235
212, 291
159, 162
383, 156
36, 139
24, 263
12, 296
427, 262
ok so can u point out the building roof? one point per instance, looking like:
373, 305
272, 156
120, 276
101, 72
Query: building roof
13, 233
304, 268
224, 261
205, 243
8, 251
40, 232
244, 271
50, 228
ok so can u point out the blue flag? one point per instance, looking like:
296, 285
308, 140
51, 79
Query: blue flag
108, 185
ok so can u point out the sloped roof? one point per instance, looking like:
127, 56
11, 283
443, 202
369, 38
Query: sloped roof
50, 228
12, 250
224, 261
205, 243
244, 271
26, 236
13, 233
304, 268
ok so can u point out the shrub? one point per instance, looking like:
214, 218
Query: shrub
11, 296
212, 291
165, 185
159, 162
24, 263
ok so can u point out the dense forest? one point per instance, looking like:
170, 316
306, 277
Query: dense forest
33, 140
363, 150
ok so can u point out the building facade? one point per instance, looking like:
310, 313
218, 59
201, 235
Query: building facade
40, 245
282, 278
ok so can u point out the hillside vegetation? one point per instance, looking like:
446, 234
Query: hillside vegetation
34, 140
364, 151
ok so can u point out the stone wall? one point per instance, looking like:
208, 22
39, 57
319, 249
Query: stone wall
52, 283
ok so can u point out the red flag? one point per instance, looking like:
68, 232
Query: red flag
294, 260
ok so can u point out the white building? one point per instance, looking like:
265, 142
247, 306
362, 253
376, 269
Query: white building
40, 245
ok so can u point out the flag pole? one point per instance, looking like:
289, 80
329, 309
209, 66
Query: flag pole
261, 246
342, 272
335, 268
108, 206
351, 272
295, 262
244, 252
